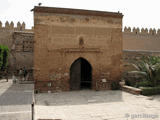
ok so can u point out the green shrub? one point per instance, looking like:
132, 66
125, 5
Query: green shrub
115, 86
150, 90
149, 68
151, 60
130, 82
127, 82
144, 84
4, 53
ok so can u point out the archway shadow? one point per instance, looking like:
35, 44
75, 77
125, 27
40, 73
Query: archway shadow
80, 74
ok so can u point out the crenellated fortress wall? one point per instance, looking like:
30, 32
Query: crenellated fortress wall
11, 26
141, 39
133, 38
7, 31
20, 41
143, 31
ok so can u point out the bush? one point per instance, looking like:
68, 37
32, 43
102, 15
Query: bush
132, 80
128, 82
115, 86
150, 90
144, 84
149, 68
4, 53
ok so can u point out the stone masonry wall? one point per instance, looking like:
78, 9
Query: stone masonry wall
136, 42
23, 50
60, 39
17, 38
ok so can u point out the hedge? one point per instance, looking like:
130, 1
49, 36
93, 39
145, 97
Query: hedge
144, 84
4, 53
150, 90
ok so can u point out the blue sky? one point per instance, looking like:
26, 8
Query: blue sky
137, 13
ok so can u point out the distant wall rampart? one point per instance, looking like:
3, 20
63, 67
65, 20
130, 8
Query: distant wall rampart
141, 39
143, 31
20, 42
7, 30
11, 26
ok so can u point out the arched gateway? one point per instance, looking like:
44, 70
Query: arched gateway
80, 75
61, 34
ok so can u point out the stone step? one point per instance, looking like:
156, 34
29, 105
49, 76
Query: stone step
26, 82
132, 90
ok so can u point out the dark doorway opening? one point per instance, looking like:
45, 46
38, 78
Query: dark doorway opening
80, 75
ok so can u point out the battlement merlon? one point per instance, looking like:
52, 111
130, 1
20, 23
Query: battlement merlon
134, 30
143, 31
10, 26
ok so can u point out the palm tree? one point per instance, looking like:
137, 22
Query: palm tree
149, 67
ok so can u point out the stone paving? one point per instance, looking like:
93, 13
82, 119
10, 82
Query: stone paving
96, 105
15, 100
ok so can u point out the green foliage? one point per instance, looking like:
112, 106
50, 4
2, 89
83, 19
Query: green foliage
151, 60
149, 67
150, 90
132, 79
144, 84
115, 86
129, 82
4, 53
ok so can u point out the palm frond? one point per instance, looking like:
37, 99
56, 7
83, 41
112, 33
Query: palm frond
135, 66
138, 72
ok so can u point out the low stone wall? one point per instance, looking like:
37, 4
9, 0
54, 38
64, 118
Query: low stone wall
131, 90
132, 55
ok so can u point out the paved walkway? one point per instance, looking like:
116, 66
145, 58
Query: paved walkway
92, 105
15, 101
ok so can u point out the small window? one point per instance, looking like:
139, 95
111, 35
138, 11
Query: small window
81, 42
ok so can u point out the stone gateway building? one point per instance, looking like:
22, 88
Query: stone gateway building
75, 41
76, 49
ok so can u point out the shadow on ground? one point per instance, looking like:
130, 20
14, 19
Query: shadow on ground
15, 94
156, 97
78, 97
